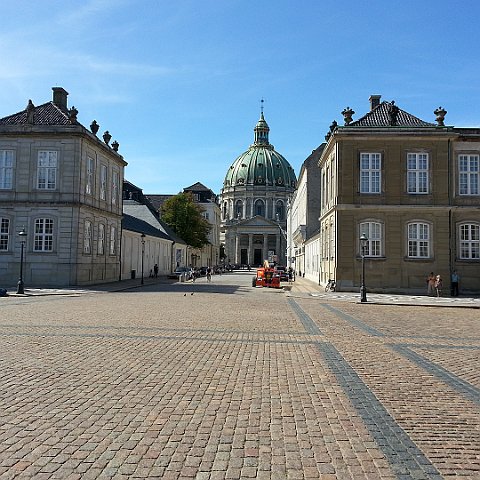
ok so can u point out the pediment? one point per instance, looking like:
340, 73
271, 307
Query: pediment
257, 221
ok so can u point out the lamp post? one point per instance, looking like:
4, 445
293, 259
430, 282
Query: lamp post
20, 285
363, 246
142, 236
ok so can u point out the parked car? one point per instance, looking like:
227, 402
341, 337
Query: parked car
187, 271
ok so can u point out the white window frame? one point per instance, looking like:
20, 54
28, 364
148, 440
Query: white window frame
7, 158
259, 201
418, 173
101, 239
418, 240
469, 241
103, 182
4, 234
370, 172
239, 209
280, 210
90, 175
113, 240
468, 174
43, 235
373, 229
87, 238
47, 169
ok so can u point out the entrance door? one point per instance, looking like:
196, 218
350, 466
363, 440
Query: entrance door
243, 256
257, 256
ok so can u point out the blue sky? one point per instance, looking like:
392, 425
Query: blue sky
178, 83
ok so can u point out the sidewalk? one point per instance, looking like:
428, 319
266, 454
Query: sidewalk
306, 288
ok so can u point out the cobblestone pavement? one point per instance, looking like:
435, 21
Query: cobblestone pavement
224, 381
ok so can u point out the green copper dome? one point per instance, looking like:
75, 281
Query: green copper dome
260, 165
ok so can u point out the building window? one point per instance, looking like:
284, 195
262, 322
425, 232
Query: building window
259, 208
6, 169
279, 211
87, 238
239, 209
374, 245
417, 172
115, 180
47, 170
370, 172
206, 215
418, 240
43, 236
468, 174
469, 241
113, 246
4, 234
103, 182
101, 239
90, 176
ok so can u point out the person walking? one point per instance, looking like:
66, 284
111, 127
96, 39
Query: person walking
431, 285
155, 270
209, 274
454, 279
438, 285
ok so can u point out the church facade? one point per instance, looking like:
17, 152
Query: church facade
253, 200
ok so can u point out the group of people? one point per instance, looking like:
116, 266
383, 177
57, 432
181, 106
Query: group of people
435, 284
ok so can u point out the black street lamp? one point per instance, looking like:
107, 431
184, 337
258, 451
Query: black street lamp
363, 246
143, 252
20, 285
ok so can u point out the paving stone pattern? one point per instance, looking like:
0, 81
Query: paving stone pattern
234, 382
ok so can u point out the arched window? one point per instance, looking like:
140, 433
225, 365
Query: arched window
469, 241
279, 211
225, 210
374, 232
239, 209
260, 208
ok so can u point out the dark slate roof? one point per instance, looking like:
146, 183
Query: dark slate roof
197, 187
380, 116
158, 200
140, 226
46, 114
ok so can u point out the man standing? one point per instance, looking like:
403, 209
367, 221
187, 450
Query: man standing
454, 279
431, 285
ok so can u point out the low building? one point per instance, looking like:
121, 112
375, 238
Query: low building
412, 188
61, 183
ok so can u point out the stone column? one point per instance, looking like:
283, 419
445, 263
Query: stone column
237, 248
277, 247
250, 248
265, 246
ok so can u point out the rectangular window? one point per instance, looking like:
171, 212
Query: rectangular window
4, 234
90, 176
417, 173
43, 236
115, 181
101, 239
418, 240
468, 174
103, 182
6, 169
87, 238
370, 172
47, 170
373, 231
470, 241
113, 233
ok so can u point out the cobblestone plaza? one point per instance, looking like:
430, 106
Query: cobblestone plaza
225, 381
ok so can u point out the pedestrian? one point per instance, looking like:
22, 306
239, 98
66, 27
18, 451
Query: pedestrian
431, 285
155, 270
290, 275
438, 285
209, 274
454, 283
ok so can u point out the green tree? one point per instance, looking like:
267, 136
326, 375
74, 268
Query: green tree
185, 218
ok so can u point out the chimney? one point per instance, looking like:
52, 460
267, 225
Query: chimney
60, 97
374, 101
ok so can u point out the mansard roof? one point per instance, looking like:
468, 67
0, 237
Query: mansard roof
387, 114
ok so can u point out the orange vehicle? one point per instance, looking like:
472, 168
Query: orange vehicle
266, 277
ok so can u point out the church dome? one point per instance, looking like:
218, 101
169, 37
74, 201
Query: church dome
260, 165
